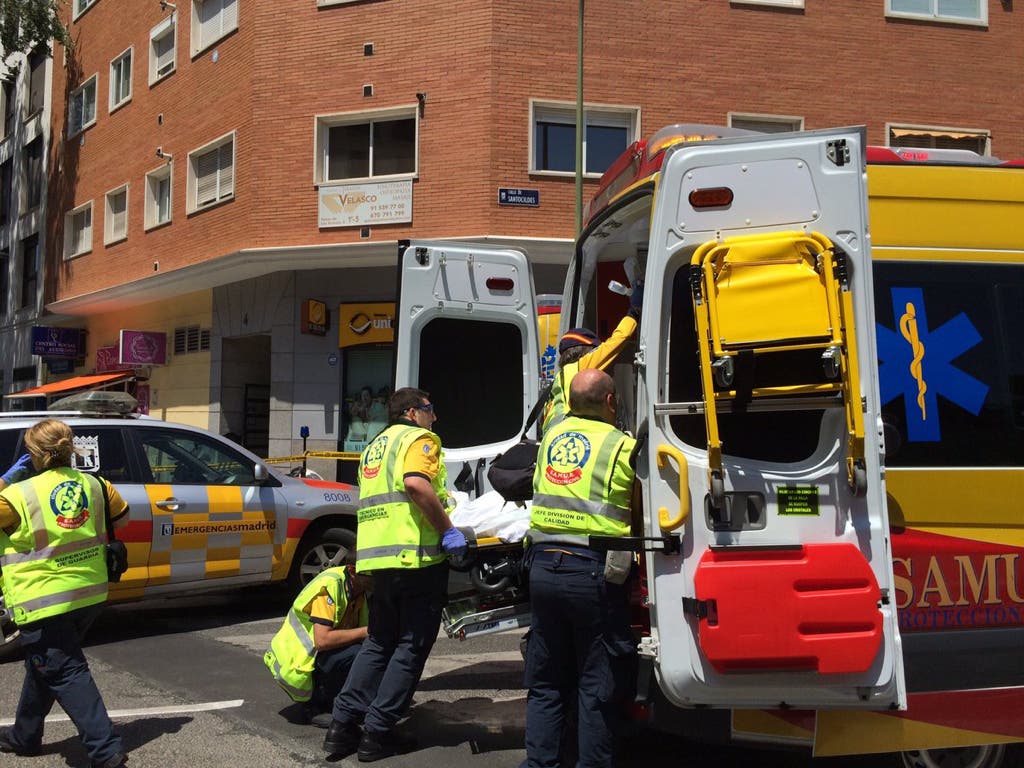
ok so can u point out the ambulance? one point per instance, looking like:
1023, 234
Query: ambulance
829, 401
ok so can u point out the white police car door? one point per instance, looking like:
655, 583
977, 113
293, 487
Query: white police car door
783, 593
466, 332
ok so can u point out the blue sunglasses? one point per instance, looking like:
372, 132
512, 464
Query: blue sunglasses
425, 407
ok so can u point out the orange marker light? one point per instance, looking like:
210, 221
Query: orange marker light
711, 197
500, 283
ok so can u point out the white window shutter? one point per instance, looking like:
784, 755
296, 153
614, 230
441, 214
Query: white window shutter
206, 177
119, 214
229, 16
164, 49
227, 171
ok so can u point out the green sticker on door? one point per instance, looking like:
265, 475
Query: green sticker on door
797, 499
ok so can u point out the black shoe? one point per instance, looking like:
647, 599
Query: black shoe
341, 739
117, 761
377, 746
6, 745
322, 720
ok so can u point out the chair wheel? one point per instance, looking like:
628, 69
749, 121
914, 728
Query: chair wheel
859, 484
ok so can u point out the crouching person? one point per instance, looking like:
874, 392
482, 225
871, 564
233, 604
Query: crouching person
311, 655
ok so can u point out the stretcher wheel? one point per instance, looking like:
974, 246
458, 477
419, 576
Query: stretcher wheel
484, 583
717, 491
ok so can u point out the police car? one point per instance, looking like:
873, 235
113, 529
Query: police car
204, 512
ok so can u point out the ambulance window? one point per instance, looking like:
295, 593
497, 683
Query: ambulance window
101, 451
9, 442
780, 437
951, 365
473, 371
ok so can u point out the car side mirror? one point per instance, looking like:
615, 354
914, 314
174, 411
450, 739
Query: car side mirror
260, 474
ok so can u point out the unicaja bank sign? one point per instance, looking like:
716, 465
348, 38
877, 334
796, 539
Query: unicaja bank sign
366, 204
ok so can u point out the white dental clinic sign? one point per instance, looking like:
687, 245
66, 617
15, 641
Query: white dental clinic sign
362, 205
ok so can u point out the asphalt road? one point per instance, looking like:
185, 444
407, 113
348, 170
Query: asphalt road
186, 686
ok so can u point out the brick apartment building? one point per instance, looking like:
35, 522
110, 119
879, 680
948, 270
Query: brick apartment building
208, 156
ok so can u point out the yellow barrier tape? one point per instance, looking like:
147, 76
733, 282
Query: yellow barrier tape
337, 455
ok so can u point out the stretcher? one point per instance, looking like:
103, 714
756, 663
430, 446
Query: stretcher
496, 597
784, 296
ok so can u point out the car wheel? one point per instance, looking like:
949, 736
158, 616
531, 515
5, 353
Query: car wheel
984, 756
317, 550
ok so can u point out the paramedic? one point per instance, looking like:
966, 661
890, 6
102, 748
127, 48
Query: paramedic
53, 554
403, 536
580, 349
312, 653
579, 632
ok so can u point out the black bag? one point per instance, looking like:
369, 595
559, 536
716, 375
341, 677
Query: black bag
117, 552
511, 472
117, 559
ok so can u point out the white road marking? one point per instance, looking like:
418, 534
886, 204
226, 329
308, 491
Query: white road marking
150, 711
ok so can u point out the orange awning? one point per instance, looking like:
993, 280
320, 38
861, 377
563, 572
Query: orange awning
78, 382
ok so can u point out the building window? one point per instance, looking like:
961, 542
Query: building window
78, 231
955, 11
33, 173
115, 219
191, 338
29, 271
766, 123
212, 20
158, 196
82, 111
974, 140
162, 59
211, 173
81, 6
607, 131
37, 80
5, 282
362, 147
6, 190
121, 80
9, 95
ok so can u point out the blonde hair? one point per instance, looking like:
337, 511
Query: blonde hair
51, 442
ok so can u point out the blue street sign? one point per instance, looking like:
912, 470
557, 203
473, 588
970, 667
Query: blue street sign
524, 197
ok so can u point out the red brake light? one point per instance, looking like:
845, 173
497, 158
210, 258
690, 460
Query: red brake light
711, 197
500, 283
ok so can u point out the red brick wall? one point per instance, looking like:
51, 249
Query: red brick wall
839, 62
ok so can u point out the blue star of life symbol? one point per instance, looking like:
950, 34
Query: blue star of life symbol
548, 358
916, 362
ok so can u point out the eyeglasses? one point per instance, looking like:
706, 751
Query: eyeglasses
424, 407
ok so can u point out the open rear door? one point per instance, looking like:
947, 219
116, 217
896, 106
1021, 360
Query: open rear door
760, 379
467, 334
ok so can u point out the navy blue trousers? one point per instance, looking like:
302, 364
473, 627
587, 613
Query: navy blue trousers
579, 645
56, 670
405, 616
330, 672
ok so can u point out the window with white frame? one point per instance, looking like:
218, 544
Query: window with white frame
78, 231
158, 197
607, 131
766, 123
212, 20
162, 59
364, 146
82, 111
211, 173
121, 80
972, 139
115, 222
955, 11
81, 6
781, 3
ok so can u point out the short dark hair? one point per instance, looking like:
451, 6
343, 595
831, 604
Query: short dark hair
403, 399
572, 354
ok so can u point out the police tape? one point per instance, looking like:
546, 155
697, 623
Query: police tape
337, 455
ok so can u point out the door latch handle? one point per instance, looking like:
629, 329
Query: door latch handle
170, 504
665, 522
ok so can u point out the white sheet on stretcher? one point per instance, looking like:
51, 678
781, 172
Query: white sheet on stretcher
491, 515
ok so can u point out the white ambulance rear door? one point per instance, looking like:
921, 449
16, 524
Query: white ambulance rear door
466, 332
788, 600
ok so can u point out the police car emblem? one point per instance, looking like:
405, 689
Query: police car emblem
566, 456
67, 502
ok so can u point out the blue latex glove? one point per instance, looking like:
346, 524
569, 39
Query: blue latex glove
453, 542
19, 470
636, 300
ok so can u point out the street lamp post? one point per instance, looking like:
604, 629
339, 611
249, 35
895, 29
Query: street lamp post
579, 120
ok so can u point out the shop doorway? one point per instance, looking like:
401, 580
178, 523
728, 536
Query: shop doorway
245, 392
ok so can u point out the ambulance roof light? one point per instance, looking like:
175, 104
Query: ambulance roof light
929, 155
684, 133
97, 402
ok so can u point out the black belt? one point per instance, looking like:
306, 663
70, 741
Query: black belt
550, 551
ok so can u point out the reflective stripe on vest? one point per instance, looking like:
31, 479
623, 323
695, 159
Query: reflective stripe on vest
558, 402
582, 505
393, 532
55, 561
